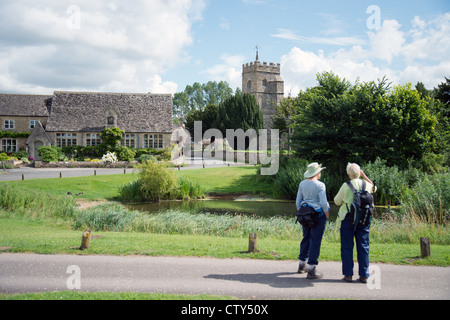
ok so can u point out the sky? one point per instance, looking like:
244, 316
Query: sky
161, 46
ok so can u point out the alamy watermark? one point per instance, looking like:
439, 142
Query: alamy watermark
74, 281
374, 20
217, 149
374, 281
73, 22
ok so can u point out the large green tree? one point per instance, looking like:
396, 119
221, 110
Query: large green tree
337, 122
240, 111
198, 96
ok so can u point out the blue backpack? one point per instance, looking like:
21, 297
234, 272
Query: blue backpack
361, 209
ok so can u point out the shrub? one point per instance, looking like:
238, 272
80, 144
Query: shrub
146, 157
289, 176
390, 181
21, 154
157, 181
48, 154
125, 154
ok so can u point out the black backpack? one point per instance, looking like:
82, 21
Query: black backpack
362, 207
307, 216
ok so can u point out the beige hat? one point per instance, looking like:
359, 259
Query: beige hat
313, 169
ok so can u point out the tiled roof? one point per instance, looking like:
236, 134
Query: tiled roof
23, 105
86, 111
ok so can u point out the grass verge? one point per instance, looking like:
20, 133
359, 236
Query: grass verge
19, 235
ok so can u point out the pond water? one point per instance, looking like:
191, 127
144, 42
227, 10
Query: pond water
261, 208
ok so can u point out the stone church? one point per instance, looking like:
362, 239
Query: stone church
264, 81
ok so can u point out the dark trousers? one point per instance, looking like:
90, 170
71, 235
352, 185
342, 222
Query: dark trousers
361, 237
312, 239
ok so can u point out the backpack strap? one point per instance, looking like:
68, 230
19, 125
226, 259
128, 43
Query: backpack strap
350, 185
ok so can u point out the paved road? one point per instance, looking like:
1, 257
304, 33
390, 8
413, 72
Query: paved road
44, 173
242, 278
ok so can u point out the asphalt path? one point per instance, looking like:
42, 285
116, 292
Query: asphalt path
46, 173
240, 278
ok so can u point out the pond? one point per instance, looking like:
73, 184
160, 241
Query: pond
243, 206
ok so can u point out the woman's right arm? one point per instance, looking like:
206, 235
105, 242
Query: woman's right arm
299, 199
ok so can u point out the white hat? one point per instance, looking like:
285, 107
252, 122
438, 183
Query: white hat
313, 169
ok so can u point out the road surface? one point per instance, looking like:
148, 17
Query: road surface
240, 278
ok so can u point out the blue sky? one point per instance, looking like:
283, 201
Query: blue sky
161, 46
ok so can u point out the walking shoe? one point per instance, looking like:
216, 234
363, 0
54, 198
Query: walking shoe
301, 267
348, 278
363, 279
312, 273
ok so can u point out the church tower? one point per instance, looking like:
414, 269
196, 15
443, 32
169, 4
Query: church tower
264, 81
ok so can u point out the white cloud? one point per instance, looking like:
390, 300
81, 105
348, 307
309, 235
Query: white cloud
420, 54
387, 42
105, 45
230, 70
338, 41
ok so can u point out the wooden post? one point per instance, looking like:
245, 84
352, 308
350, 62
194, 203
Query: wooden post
60, 174
252, 242
125, 171
85, 240
23, 176
95, 172
425, 247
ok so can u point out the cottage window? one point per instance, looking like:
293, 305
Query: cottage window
129, 140
33, 123
9, 145
154, 141
110, 120
66, 139
9, 124
264, 83
93, 139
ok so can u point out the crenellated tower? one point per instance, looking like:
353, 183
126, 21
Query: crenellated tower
264, 81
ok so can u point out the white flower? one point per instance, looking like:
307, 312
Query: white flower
109, 157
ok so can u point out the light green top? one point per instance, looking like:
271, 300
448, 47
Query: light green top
345, 196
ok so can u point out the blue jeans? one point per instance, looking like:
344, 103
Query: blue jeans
361, 236
312, 239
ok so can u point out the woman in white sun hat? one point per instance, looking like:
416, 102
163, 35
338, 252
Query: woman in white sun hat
312, 192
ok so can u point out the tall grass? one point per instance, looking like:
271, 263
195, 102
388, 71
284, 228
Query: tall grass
429, 200
401, 229
35, 204
114, 217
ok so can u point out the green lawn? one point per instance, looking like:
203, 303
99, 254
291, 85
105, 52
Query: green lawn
227, 180
40, 236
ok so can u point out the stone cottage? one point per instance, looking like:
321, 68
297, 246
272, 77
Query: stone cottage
77, 118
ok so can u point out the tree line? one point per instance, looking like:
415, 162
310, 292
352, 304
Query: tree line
336, 122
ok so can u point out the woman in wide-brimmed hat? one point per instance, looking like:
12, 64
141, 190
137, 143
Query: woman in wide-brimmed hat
312, 192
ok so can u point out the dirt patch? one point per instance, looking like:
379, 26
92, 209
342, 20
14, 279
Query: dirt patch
86, 204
